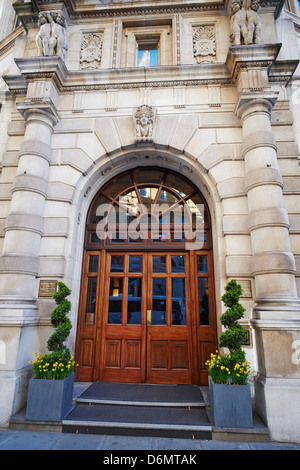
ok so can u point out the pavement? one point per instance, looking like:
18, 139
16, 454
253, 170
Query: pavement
28, 440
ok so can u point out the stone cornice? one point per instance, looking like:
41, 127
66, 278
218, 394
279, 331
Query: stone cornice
239, 57
9, 41
78, 10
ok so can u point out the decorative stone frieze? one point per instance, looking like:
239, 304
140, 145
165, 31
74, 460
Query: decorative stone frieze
91, 51
204, 44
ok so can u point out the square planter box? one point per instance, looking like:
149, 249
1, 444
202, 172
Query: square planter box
231, 405
49, 400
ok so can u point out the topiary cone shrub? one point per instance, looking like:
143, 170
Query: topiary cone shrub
59, 363
231, 368
233, 337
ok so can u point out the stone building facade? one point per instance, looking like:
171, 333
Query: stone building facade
203, 93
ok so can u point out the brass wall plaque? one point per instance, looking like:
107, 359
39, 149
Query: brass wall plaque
47, 288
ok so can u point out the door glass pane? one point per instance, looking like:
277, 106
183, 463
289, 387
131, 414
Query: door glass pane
178, 301
93, 217
115, 300
135, 264
93, 264
159, 264
118, 185
91, 300
167, 197
130, 202
149, 176
159, 309
148, 196
134, 302
203, 301
117, 264
202, 263
177, 264
178, 184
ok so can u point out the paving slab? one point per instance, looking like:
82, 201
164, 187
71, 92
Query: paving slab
26, 440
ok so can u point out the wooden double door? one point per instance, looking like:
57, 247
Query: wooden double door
146, 317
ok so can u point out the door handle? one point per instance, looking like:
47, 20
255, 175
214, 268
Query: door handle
149, 314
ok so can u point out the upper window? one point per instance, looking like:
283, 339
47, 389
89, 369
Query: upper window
147, 55
147, 46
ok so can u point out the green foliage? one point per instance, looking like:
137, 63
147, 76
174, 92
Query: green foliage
59, 319
59, 363
232, 367
235, 335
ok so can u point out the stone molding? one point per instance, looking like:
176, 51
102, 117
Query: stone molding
21, 221
33, 183
258, 139
273, 262
27, 11
53, 68
19, 263
263, 176
38, 148
268, 217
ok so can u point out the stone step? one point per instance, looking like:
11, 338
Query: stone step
159, 421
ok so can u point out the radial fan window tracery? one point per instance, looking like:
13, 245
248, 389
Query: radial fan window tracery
148, 206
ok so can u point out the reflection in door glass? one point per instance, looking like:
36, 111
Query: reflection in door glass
177, 264
135, 264
159, 310
134, 301
93, 264
159, 264
117, 264
202, 263
203, 301
115, 300
90, 300
178, 301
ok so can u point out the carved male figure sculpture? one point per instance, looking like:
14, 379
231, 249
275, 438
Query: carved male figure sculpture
58, 32
51, 38
245, 24
253, 23
44, 42
238, 29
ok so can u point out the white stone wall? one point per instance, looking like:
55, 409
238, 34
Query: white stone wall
197, 132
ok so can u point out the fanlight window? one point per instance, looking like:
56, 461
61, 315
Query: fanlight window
148, 207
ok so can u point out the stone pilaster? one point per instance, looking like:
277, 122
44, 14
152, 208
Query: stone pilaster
24, 224
19, 261
276, 314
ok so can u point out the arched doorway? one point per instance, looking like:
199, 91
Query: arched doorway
147, 308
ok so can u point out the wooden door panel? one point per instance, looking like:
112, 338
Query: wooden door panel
179, 355
173, 349
112, 353
132, 353
87, 353
158, 357
124, 318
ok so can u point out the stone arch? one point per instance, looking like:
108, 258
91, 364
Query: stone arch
108, 166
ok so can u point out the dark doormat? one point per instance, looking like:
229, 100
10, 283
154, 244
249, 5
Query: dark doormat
130, 392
